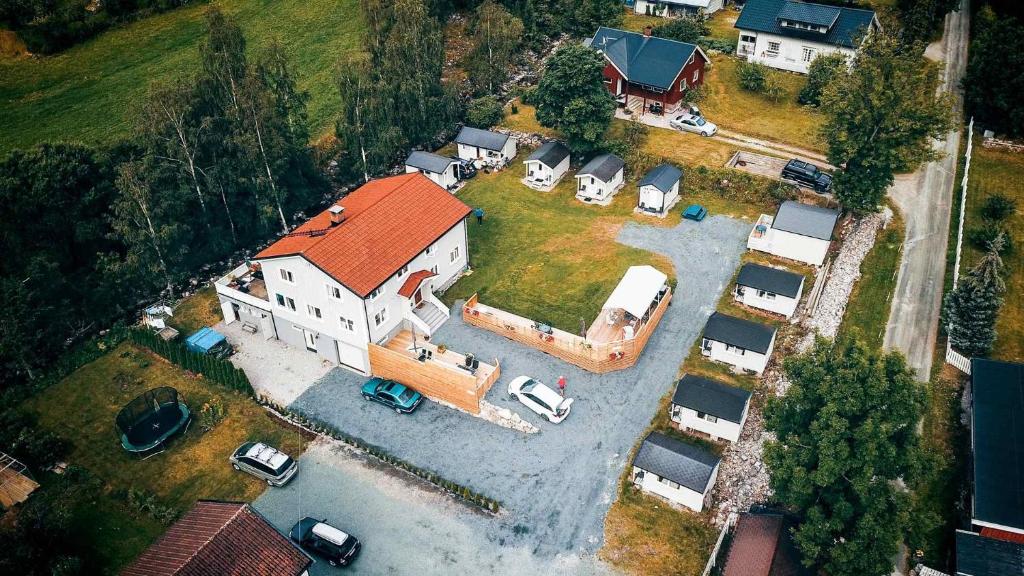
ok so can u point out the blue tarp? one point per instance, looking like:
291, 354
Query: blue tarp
204, 340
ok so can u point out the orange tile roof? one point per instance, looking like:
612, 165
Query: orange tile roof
413, 282
387, 223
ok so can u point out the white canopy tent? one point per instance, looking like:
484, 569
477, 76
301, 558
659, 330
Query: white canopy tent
637, 289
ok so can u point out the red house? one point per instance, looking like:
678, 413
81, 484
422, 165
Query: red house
643, 69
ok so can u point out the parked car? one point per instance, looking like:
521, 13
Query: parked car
392, 394
264, 462
695, 212
209, 342
320, 538
807, 174
466, 168
539, 398
693, 123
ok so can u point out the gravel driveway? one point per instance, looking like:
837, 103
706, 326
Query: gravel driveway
556, 485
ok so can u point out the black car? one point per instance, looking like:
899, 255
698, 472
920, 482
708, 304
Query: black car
466, 168
325, 541
807, 174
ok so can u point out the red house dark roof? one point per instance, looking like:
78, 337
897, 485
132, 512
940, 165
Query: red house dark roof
387, 222
222, 538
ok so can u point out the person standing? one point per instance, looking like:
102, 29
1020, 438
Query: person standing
561, 385
479, 213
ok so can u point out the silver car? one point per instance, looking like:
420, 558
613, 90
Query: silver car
264, 462
693, 123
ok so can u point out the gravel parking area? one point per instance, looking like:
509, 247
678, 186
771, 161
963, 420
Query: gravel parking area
556, 485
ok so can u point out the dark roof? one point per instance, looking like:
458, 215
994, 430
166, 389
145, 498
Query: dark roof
739, 332
647, 60
806, 220
429, 162
662, 177
762, 546
711, 397
998, 440
550, 154
977, 555
602, 167
773, 280
223, 538
675, 460
845, 24
481, 138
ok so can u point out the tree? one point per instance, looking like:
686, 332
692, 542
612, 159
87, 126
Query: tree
971, 309
752, 76
922, 20
995, 72
571, 97
686, 29
484, 112
822, 70
223, 60
845, 437
583, 17
880, 116
496, 36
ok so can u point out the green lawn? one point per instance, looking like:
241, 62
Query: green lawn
91, 92
868, 308
198, 310
82, 408
722, 24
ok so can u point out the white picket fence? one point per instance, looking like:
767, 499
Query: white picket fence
954, 358
729, 523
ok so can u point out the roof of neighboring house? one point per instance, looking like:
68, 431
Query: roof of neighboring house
711, 397
662, 177
806, 220
413, 282
977, 555
761, 546
998, 440
773, 280
481, 138
549, 154
675, 460
223, 538
647, 60
602, 167
694, 3
429, 162
845, 24
387, 223
745, 334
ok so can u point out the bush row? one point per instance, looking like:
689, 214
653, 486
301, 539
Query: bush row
738, 186
216, 370
319, 427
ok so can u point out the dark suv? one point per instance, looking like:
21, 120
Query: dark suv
326, 541
807, 174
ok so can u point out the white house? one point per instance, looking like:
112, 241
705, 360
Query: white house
789, 34
800, 232
709, 406
769, 288
659, 190
600, 179
441, 170
546, 166
676, 471
673, 8
741, 343
491, 148
358, 272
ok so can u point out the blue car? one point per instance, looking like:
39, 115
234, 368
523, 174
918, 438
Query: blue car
695, 212
392, 394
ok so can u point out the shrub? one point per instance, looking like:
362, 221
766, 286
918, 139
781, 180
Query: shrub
686, 29
998, 208
752, 76
697, 95
981, 238
211, 414
484, 112
718, 44
773, 89
528, 95
822, 70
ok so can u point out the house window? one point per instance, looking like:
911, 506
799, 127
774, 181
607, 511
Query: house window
668, 483
454, 255
745, 38
696, 76
380, 317
402, 271
734, 349
376, 292
314, 312
280, 300
334, 292
682, 84
807, 54
291, 304
607, 80
431, 250
286, 275
766, 295
739, 290
433, 269
706, 416
347, 324
773, 48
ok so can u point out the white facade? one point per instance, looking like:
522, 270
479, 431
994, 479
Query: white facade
735, 356
689, 419
784, 52
675, 493
786, 244
656, 8
653, 201
544, 176
447, 179
493, 157
595, 191
765, 300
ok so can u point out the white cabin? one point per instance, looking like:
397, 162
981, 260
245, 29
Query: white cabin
800, 232
659, 190
710, 407
741, 343
770, 289
490, 148
441, 170
546, 166
675, 8
600, 179
678, 472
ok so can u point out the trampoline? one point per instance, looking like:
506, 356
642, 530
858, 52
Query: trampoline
151, 419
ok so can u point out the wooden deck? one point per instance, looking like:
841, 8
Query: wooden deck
15, 486
602, 331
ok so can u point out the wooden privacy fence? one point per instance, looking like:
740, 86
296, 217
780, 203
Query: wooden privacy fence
598, 357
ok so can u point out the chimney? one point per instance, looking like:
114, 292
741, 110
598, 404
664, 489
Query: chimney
337, 214
647, 31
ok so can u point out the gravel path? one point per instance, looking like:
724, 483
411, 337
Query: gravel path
556, 485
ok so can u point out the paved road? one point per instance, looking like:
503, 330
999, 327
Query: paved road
925, 198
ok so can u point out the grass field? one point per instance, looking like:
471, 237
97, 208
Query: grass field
722, 26
90, 92
198, 310
82, 408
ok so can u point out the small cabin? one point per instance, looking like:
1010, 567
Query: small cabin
769, 288
599, 180
659, 190
801, 232
710, 407
491, 148
442, 170
676, 471
741, 343
546, 166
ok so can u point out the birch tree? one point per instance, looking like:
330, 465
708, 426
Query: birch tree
170, 125
496, 38
223, 60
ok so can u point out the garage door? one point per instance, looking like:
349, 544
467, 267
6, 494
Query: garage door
352, 357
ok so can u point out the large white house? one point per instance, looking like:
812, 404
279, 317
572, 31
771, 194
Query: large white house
676, 471
800, 232
659, 190
491, 148
357, 273
599, 180
441, 170
673, 8
741, 343
769, 288
789, 34
709, 406
546, 166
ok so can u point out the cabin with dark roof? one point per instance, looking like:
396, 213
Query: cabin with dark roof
599, 180
546, 166
441, 170
741, 343
490, 148
801, 232
676, 471
659, 190
767, 288
709, 406
790, 34
677, 8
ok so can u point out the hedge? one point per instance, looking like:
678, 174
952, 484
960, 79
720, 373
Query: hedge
216, 370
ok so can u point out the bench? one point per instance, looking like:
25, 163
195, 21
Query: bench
249, 327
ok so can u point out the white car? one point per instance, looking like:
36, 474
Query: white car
540, 398
692, 123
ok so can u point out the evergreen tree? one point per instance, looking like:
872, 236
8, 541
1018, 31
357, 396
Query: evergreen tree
571, 97
995, 72
970, 311
584, 17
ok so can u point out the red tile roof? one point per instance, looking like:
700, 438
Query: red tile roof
754, 544
223, 539
413, 282
387, 223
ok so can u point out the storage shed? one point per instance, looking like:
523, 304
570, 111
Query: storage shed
659, 190
599, 180
546, 166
